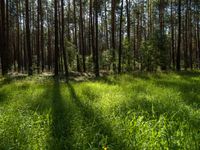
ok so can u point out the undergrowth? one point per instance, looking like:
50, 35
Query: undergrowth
140, 111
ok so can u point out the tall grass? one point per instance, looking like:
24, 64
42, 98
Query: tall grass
140, 111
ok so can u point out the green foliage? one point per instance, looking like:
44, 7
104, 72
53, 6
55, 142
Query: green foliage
140, 111
162, 42
155, 52
106, 59
71, 54
127, 55
149, 56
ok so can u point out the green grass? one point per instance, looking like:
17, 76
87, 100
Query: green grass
140, 111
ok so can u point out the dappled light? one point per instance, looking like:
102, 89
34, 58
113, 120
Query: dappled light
99, 75
117, 112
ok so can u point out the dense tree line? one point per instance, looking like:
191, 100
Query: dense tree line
99, 35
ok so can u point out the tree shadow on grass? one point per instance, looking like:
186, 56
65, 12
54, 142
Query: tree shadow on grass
61, 117
6, 93
189, 91
3, 97
10, 79
189, 73
99, 125
154, 109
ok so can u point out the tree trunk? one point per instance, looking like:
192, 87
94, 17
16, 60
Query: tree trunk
42, 34
186, 38
113, 32
172, 36
106, 26
178, 56
38, 36
128, 31
198, 40
120, 37
3, 39
18, 38
190, 35
82, 36
28, 46
56, 40
91, 32
62, 40
97, 49
75, 39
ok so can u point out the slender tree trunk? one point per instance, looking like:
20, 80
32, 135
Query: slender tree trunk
106, 25
172, 36
8, 40
91, 32
190, 35
18, 38
38, 36
3, 39
24, 45
56, 39
138, 35
49, 48
186, 38
75, 38
163, 51
82, 36
120, 38
161, 16
113, 32
97, 47
62, 40
128, 31
178, 56
68, 21
42, 34
198, 40
28, 44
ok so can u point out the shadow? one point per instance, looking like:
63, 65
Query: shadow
3, 96
9, 79
6, 92
154, 109
43, 102
61, 116
189, 91
100, 126
189, 73
108, 80
146, 108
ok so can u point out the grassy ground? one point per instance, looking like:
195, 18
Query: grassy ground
141, 111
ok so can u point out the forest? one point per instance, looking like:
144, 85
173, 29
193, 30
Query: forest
99, 74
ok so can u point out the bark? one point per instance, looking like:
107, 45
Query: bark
28, 45
120, 38
75, 38
172, 36
82, 45
18, 38
190, 35
62, 40
97, 49
113, 32
38, 36
42, 34
178, 56
186, 38
56, 39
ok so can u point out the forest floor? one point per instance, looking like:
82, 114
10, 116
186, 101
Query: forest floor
140, 111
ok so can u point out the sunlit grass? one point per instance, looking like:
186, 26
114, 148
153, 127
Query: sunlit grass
140, 111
